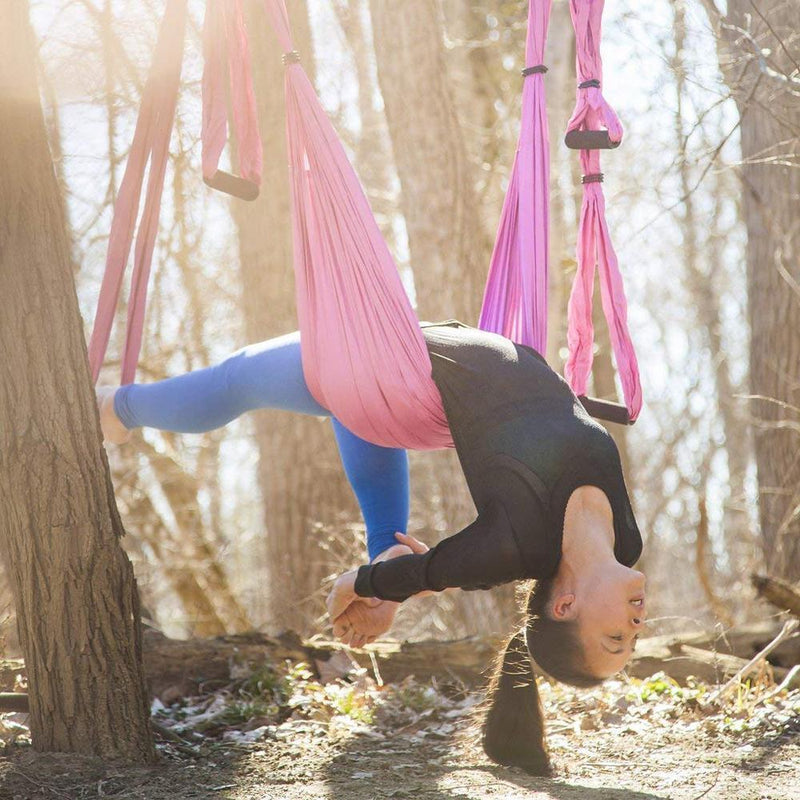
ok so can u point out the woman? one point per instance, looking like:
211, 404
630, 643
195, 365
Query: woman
546, 481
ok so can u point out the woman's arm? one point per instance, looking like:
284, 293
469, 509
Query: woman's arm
482, 555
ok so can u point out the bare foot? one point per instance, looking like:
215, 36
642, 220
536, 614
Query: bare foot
113, 430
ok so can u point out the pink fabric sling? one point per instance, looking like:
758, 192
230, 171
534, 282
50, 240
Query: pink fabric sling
592, 112
150, 142
364, 357
515, 298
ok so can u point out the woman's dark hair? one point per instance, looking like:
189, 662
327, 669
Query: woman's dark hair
513, 730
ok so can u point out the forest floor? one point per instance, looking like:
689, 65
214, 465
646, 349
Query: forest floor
280, 733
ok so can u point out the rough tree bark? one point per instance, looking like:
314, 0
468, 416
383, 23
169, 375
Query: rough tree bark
302, 483
759, 53
75, 595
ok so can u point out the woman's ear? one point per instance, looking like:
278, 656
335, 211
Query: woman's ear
564, 607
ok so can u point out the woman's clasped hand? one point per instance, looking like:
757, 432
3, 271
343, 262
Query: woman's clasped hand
361, 620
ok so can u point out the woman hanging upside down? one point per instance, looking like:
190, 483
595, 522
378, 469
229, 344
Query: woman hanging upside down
546, 481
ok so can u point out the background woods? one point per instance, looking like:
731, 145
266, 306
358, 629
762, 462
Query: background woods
241, 527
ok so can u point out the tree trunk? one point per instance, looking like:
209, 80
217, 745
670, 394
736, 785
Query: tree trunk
449, 252
76, 598
302, 484
770, 172
564, 195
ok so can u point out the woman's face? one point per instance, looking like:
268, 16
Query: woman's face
610, 612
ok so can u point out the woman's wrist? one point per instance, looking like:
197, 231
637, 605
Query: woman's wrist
394, 551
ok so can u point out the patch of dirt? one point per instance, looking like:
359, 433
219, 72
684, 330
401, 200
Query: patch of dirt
289, 737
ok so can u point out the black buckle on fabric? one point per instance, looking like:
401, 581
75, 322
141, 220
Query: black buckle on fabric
596, 177
292, 57
590, 84
538, 69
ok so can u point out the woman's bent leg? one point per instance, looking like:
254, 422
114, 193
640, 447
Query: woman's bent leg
264, 375
270, 375
379, 477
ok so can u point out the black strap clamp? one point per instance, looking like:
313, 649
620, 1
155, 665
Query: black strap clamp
292, 57
596, 177
538, 69
590, 84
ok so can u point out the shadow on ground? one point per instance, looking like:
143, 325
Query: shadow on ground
420, 766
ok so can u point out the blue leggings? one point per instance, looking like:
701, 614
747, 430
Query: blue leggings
270, 375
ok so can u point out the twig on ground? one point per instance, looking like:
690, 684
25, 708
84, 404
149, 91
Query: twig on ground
716, 781
375, 670
177, 741
786, 632
787, 683
46, 786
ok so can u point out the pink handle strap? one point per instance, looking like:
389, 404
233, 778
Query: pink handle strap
595, 250
592, 111
227, 66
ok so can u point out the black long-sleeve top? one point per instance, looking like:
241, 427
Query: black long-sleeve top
525, 444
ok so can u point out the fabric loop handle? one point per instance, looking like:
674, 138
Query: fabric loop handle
595, 126
590, 140
233, 185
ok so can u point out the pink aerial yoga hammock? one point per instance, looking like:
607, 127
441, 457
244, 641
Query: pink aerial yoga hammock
364, 356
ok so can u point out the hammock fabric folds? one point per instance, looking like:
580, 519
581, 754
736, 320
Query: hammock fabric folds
595, 250
515, 298
364, 357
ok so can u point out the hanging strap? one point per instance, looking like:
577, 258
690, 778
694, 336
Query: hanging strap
515, 298
593, 114
150, 142
227, 69
364, 356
